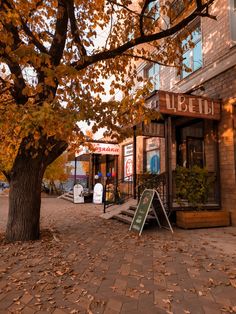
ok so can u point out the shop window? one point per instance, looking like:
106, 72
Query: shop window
232, 6
152, 155
152, 73
192, 52
190, 145
195, 155
128, 162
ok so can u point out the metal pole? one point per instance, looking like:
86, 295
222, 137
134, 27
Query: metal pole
168, 149
75, 173
134, 161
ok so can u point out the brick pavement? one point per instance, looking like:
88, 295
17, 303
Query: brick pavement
85, 264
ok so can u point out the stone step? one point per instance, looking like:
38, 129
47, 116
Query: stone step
133, 207
128, 212
68, 198
123, 218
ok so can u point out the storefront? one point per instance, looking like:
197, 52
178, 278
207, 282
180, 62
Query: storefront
186, 135
103, 162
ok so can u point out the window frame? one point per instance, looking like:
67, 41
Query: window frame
193, 28
150, 6
156, 86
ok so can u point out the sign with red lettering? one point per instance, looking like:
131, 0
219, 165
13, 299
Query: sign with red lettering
185, 105
100, 148
106, 149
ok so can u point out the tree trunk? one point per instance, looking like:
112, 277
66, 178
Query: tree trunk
25, 199
25, 187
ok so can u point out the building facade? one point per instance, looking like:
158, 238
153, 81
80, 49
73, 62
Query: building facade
201, 118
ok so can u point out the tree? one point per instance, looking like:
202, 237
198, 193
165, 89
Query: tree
58, 170
52, 75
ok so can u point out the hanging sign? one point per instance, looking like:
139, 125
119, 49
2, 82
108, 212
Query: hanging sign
100, 148
105, 149
98, 193
145, 205
185, 105
78, 194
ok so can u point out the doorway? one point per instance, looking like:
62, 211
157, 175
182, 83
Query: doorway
190, 145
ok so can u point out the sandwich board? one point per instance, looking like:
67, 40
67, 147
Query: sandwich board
98, 193
78, 191
146, 204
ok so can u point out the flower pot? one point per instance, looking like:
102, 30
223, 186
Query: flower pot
202, 219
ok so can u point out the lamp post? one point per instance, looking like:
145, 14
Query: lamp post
75, 173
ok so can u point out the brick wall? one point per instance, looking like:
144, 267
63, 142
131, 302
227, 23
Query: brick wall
224, 87
216, 79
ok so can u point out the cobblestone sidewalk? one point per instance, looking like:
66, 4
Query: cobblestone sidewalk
84, 264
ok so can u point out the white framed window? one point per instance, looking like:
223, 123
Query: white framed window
152, 73
192, 53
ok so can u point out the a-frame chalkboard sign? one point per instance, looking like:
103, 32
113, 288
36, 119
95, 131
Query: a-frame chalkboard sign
145, 205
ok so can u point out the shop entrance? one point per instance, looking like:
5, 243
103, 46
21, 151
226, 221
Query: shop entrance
190, 144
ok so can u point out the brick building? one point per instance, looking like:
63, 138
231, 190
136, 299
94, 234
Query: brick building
208, 141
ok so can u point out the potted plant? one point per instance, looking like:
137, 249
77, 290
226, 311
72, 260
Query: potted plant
192, 190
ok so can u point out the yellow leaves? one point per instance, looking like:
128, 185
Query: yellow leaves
50, 81
58, 170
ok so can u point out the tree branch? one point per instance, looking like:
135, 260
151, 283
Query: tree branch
123, 6
59, 39
74, 27
142, 15
58, 147
19, 82
32, 38
144, 58
108, 54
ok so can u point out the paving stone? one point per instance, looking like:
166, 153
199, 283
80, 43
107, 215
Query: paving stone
26, 298
98, 266
114, 305
129, 306
59, 311
29, 310
125, 269
120, 286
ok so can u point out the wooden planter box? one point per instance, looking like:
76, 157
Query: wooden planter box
202, 219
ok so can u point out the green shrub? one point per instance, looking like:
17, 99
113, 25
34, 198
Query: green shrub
193, 185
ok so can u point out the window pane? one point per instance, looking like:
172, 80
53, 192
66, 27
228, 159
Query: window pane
153, 75
196, 34
177, 7
153, 161
197, 56
154, 7
193, 56
186, 62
